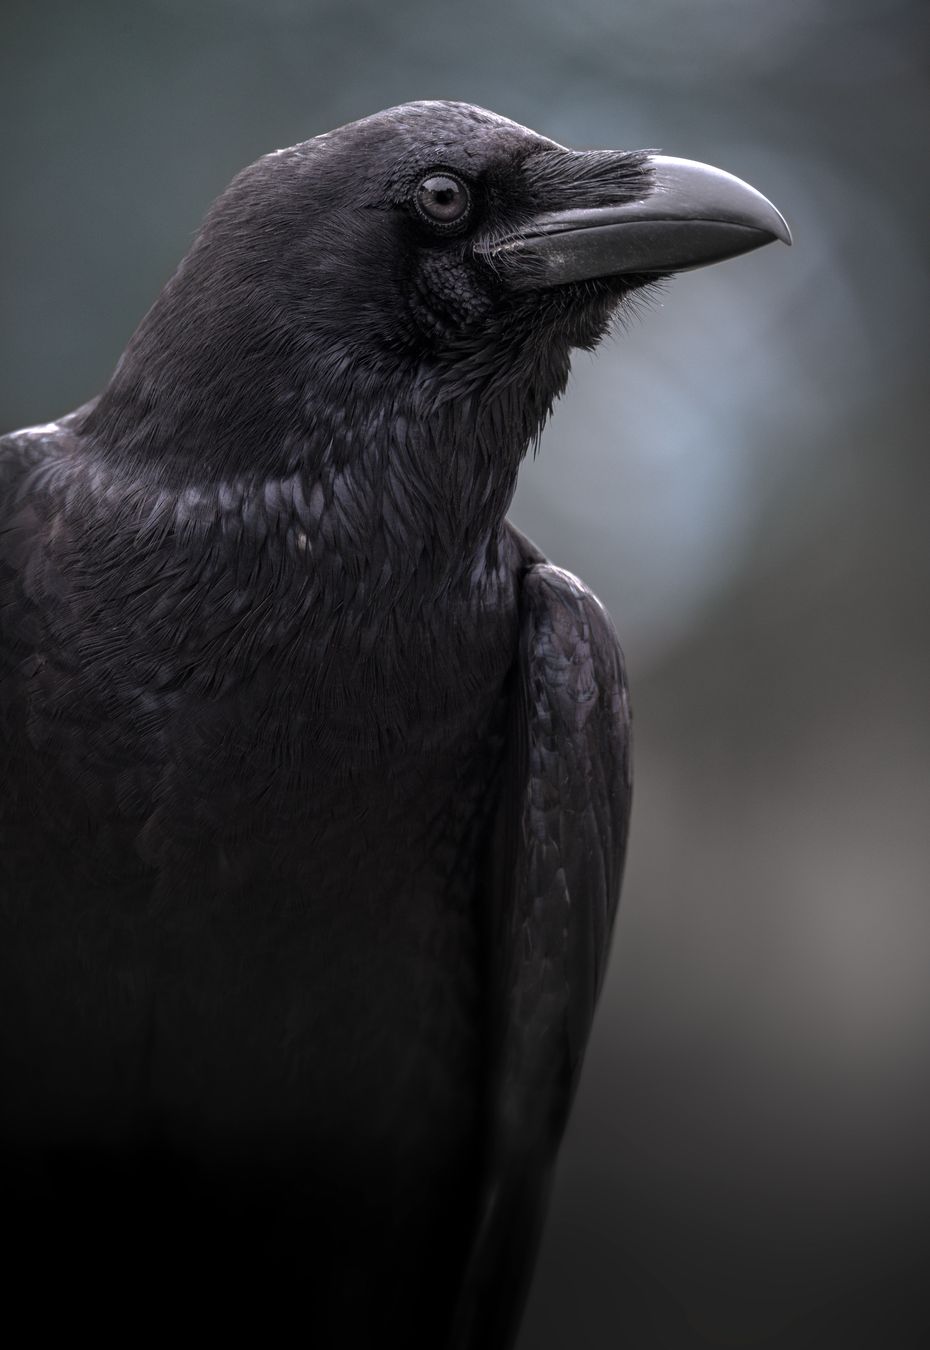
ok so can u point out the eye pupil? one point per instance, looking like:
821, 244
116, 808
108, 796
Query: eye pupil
442, 199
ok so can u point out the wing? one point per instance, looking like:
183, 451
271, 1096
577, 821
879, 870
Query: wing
19, 528
556, 865
28, 518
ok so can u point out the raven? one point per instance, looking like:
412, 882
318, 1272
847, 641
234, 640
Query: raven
315, 772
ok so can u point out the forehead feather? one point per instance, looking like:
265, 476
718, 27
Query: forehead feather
428, 132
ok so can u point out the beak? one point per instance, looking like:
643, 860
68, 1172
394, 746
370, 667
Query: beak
691, 215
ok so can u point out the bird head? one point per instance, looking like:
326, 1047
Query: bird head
435, 255
469, 232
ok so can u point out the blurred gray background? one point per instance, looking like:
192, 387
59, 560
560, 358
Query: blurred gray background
743, 477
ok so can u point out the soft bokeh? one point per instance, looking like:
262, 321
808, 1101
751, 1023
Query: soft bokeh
743, 477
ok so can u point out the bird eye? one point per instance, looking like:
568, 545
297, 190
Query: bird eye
442, 199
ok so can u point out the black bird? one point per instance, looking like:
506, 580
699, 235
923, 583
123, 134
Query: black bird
315, 773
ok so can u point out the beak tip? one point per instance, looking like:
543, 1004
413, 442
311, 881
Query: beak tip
703, 189
782, 230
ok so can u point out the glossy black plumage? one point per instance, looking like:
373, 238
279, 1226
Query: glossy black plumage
315, 773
